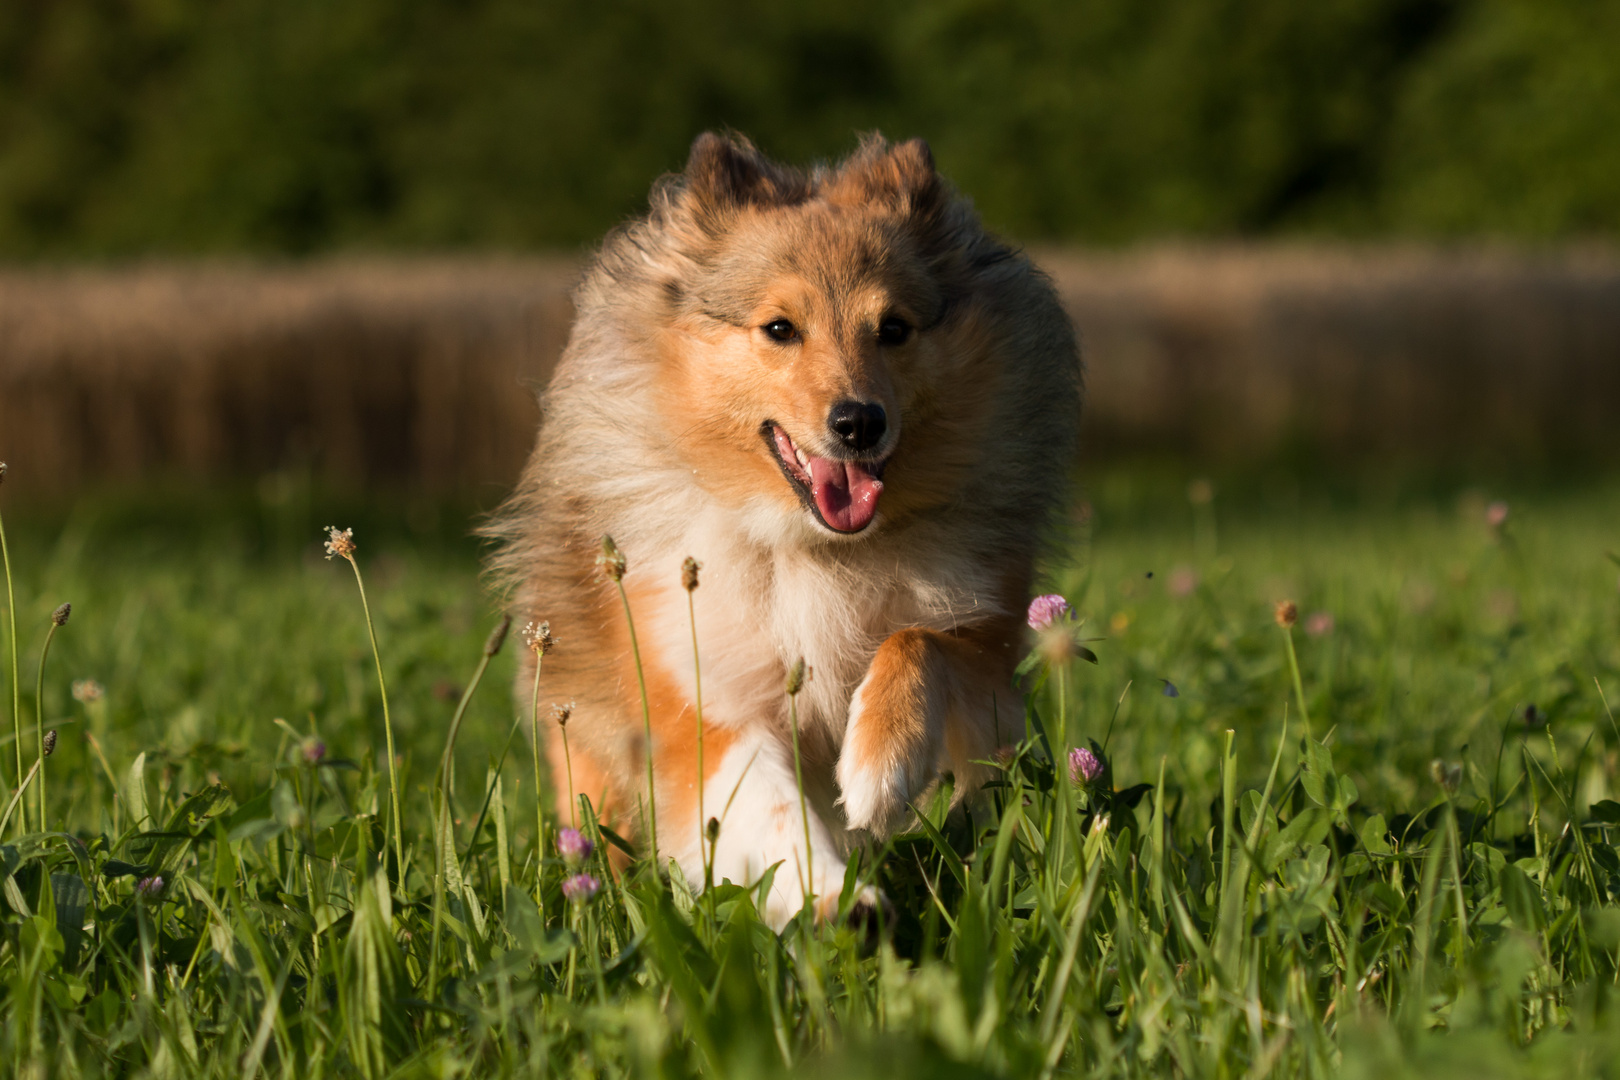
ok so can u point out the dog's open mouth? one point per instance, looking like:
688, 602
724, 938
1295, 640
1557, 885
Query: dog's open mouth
843, 493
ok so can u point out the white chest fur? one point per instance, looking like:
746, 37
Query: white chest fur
761, 606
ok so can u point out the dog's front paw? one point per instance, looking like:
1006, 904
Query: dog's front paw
890, 746
875, 794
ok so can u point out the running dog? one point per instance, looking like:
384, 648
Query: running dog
856, 409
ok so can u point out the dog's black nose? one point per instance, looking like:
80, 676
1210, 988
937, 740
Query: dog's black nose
859, 425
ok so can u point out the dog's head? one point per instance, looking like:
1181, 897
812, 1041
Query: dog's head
822, 350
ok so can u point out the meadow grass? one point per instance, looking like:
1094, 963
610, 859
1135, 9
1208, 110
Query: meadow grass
1401, 865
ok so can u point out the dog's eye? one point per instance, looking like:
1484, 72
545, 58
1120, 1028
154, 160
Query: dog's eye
781, 330
893, 331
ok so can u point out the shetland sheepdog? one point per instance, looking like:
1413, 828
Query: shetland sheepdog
856, 409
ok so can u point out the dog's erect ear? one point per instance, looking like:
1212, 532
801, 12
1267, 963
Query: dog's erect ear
724, 173
893, 172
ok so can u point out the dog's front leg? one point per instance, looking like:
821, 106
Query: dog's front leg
763, 823
930, 701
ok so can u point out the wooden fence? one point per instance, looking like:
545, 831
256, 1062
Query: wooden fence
422, 373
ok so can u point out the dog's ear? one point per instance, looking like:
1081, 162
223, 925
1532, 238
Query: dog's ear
726, 173
898, 173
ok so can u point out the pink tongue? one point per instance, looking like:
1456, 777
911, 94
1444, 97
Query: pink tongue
845, 493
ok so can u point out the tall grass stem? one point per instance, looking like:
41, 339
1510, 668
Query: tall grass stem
1228, 802
456, 720
489, 795
539, 802
798, 780
443, 830
39, 716
16, 686
1299, 686
17, 802
697, 686
568, 768
388, 726
646, 724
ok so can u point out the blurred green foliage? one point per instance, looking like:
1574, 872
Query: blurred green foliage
172, 126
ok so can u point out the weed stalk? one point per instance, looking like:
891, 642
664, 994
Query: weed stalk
613, 565
689, 581
563, 712
59, 619
1287, 615
796, 678
1228, 802
16, 693
539, 639
443, 833
490, 786
341, 542
17, 802
492, 647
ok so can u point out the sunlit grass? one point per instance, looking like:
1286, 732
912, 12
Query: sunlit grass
1426, 882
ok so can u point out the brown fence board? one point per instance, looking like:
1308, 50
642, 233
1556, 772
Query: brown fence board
421, 372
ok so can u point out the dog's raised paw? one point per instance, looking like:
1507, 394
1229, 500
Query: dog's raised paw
886, 758
874, 797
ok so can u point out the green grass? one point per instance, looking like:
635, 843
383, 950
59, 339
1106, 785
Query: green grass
1312, 904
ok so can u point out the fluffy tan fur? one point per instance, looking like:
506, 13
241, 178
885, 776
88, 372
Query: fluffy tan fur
656, 431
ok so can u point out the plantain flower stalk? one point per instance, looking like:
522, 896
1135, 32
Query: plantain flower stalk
59, 619
797, 676
16, 692
340, 544
561, 713
537, 636
613, 565
689, 582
